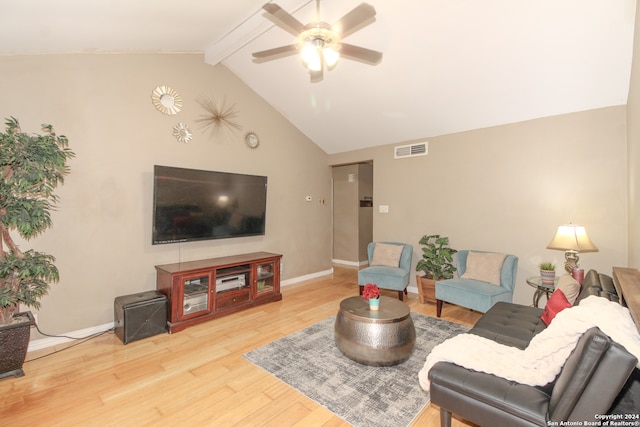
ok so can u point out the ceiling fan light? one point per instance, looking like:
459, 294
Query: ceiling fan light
315, 65
311, 57
308, 53
331, 56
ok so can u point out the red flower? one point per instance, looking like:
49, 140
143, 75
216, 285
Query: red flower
370, 291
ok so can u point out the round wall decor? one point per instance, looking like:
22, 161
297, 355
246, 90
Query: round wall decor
182, 133
166, 100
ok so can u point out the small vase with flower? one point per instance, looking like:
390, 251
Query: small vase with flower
372, 294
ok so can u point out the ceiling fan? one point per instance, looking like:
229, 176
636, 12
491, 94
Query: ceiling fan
319, 43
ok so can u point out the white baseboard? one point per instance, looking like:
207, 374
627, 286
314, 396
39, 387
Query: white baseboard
306, 277
41, 343
350, 263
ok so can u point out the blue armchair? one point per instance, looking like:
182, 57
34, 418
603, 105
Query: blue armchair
389, 267
479, 291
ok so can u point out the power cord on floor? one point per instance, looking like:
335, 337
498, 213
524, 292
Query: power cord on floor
79, 339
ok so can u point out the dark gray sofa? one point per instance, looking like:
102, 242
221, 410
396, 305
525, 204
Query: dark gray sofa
599, 377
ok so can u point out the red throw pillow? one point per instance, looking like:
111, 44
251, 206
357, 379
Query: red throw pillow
555, 305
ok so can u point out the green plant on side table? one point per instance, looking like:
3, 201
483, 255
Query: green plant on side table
547, 272
31, 167
436, 263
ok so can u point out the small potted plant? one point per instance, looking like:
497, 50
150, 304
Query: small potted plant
436, 263
547, 272
31, 166
372, 294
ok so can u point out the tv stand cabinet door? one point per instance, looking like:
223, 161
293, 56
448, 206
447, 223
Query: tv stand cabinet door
194, 295
266, 275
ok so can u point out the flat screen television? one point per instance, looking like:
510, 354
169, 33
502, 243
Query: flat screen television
190, 205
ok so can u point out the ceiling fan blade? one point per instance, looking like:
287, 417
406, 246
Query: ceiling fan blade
275, 53
283, 19
357, 53
316, 76
358, 18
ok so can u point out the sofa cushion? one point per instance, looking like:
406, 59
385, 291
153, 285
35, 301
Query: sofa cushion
597, 284
474, 294
591, 378
510, 324
484, 266
386, 255
384, 277
487, 399
555, 305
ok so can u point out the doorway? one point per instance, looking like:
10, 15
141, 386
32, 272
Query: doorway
352, 212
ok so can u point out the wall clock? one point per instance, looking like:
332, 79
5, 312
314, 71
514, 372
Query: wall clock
252, 140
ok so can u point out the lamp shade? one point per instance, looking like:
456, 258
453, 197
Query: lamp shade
572, 238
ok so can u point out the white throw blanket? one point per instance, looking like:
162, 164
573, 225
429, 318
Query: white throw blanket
544, 357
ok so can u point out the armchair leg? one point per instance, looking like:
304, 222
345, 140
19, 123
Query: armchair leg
400, 296
361, 289
439, 307
445, 418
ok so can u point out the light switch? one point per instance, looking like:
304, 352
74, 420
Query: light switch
383, 208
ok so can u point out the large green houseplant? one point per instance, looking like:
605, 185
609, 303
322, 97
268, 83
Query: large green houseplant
31, 167
436, 263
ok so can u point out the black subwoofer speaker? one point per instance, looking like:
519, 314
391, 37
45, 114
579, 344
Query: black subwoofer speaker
140, 315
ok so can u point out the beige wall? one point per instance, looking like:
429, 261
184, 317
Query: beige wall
633, 139
102, 229
507, 188
504, 188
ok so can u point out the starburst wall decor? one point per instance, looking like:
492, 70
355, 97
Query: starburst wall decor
218, 118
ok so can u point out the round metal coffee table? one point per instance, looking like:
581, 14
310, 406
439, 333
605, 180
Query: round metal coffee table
377, 338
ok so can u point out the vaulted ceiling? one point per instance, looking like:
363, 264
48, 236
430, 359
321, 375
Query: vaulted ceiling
448, 65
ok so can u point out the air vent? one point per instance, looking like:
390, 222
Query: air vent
412, 150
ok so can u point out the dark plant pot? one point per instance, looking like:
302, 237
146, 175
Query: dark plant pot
14, 342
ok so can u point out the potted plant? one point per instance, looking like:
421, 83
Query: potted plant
31, 167
436, 263
547, 272
371, 293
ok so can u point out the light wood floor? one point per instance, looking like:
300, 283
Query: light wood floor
196, 377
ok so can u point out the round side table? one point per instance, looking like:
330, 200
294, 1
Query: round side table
384, 337
541, 288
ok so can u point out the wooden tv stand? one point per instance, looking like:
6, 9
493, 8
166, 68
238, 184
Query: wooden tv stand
202, 290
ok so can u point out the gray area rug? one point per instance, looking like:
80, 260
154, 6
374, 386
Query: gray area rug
364, 396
